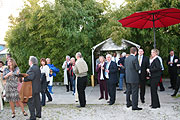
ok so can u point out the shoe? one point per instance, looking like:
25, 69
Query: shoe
106, 98
170, 87
137, 108
79, 106
162, 89
101, 98
124, 92
67, 90
49, 101
155, 107
173, 95
128, 106
142, 101
119, 89
38, 116
108, 101
111, 103
24, 113
13, 115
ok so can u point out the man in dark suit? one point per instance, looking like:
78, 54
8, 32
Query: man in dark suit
111, 77
172, 68
132, 79
144, 64
34, 74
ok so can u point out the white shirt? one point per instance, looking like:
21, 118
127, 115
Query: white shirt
102, 76
160, 59
171, 59
140, 59
45, 69
107, 67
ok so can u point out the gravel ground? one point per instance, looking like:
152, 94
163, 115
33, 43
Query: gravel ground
63, 107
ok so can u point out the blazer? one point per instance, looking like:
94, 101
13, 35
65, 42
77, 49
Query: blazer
155, 68
121, 61
34, 76
174, 65
144, 66
98, 70
113, 72
131, 69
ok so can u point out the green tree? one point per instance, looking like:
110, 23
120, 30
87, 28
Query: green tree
55, 30
166, 38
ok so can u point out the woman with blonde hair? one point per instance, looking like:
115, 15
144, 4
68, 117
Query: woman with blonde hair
10, 75
155, 75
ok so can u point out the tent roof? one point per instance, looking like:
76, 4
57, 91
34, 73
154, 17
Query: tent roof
109, 45
5, 51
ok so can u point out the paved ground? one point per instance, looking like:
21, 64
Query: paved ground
63, 107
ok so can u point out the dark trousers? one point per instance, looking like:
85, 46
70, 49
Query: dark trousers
134, 88
34, 106
142, 89
154, 95
112, 91
43, 100
103, 88
69, 83
177, 84
173, 76
81, 86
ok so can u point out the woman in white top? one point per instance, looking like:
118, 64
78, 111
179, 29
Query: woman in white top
44, 81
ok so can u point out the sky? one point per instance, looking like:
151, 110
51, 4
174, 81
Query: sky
8, 7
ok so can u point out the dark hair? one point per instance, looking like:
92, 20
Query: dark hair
44, 60
2, 62
14, 64
133, 50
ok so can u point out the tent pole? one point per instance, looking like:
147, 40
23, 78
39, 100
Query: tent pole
154, 32
93, 61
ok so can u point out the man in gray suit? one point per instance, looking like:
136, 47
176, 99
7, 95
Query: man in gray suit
34, 103
132, 79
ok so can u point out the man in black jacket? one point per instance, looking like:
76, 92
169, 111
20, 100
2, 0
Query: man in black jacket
34, 74
144, 64
172, 68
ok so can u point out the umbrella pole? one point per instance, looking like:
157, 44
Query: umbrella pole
154, 32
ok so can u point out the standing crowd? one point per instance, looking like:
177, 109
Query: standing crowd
135, 69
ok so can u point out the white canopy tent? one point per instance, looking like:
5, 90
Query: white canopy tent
4, 52
109, 45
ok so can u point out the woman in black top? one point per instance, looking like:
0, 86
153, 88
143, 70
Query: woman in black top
155, 75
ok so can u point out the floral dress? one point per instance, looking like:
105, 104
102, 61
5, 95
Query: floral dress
11, 85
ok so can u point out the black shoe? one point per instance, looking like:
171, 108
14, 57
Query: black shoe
137, 108
80, 106
142, 101
128, 106
119, 89
170, 87
108, 101
101, 98
155, 107
173, 95
67, 90
111, 103
38, 116
162, 89
124, 92
49, 101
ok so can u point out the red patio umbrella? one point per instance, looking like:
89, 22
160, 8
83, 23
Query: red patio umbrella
152, 19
